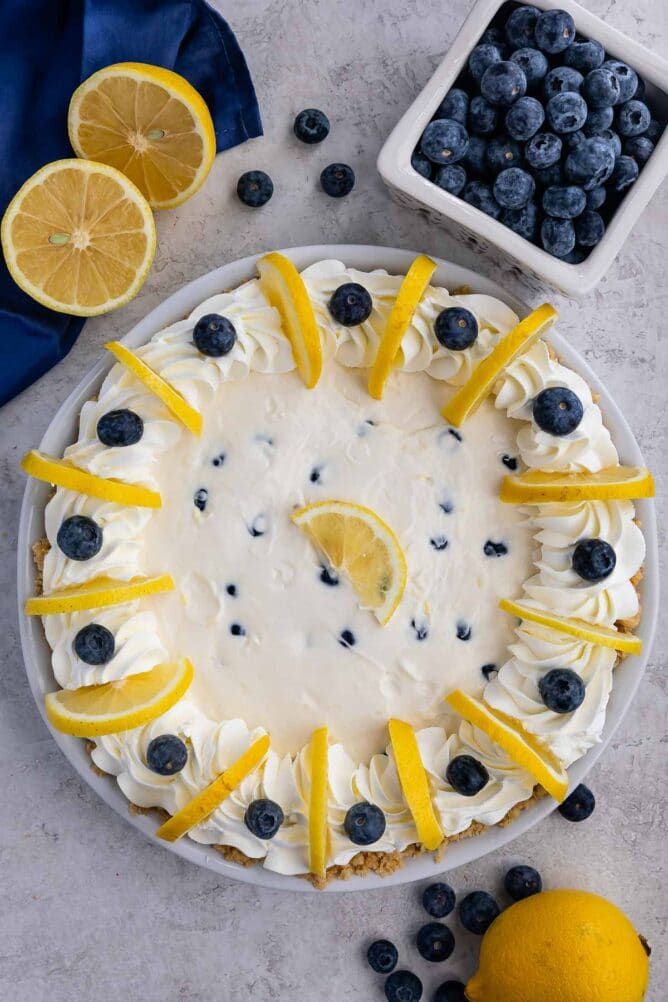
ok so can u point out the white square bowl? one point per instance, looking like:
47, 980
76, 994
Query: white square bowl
415, 191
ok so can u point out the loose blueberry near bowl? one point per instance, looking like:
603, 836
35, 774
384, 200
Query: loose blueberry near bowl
438, 900
311, 126
382, 956
255, 188
337, 180
522, 882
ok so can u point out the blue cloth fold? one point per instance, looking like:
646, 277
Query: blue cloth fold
47, 47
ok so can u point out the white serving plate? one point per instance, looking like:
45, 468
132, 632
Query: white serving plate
62, 431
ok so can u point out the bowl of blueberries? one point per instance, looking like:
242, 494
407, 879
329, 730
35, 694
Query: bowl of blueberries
541, 133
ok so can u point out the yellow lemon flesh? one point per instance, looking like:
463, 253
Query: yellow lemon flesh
618, 483
414, 783
64, 474
79, 237
149, 123
592, 633
317, 805
100, 593
170, 397
284, 288
357, 542
561, 946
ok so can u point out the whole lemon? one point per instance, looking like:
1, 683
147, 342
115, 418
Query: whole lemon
561, 946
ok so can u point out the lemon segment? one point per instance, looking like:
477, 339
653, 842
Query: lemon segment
522, 747
212, 796
318, 829
149, 123
94, 710
170, 397
356, 541
62, 473
591, 633
618, 483
284, 288
414, 783
410, 293
468, 398
100, 593
79, 238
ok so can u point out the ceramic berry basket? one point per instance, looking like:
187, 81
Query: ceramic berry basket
411, 189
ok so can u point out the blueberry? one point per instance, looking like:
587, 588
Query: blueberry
403, 986
624, 174
633, 119
594, 559
503, 152
521, 25
263, 818
481, 58
347, 638
597, 120
555, 31
557, 410
591, 163
167, 754
435, 942
447, 507
438, 900
328, 577
503, 83
219, 459
311, 126
493, 35
566, 112
596, 198
450, 991
562, 690
438, 542
562, 79
585, 55
231, 590
475, 159
479, 195
522, 882
489, 671
589, 228
314, 475
523, 221
94, 644
451, 178
255, 188
214, 336
533, 64
464, 631
258, 526
421, 163
557, 236
421, 630
573, 139
456, 328
444, 141
79, 537
237, 630
337, 180
477, 911
513, 188
524, 118
611, 137
382, 956
483, 116
654, 131
626, 77
492, 549
576, 256
579, 805
601, 88
548, 177
640, 148
351, 304
122, 427
543, 150
364, 824
200, 498
564, 203
510, 462
466, 775
639, 92
454, 105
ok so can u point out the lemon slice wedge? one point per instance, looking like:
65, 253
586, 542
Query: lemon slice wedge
212, 796
355, 540
149, 123
100, 593
318, 829
410, 293
414, 783
62, 473
591, 633
94, 710
468, 398
170, 397
618, 483
284, 288
523, 748
79, 238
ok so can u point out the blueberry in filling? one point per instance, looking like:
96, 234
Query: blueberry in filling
464, 631
237, 630
258, 526
456, 434
329, 577
421, 630
438, 542
231, 590
314, 475
492, 549
347, 638
489, 671
509, 461
201, 498
219, 460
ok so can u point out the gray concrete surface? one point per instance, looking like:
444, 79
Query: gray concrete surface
87, 910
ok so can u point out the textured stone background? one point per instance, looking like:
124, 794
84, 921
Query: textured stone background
89, 911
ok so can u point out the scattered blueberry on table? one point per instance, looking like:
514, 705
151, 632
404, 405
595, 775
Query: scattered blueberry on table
383, 956
403, 986
337, 180
522, 881
477, 911
311, 126
255, 188
450, 991
435, 942
579, 805
438, 900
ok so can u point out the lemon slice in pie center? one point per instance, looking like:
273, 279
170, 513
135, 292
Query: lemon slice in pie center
357, 542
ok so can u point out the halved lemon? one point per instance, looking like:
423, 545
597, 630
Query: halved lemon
79, 237
410, 293
469, 397
62, 473
414, 783
94, 710
618, 483
318, 830
284, 288
212, 796
592, 633
170, 397
523, 748
149, 123
356, 541
100, 593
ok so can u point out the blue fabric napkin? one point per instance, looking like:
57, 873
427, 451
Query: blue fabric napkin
47, 47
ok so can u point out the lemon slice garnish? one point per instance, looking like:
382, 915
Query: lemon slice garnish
212, 796
94, 710
468, 398
591, 633
64, 474
618, 483
284, 288
358, 542
523, 748
410, 293
170, 397
318, 829
79, 237
414, 783
100, 593
149, 123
